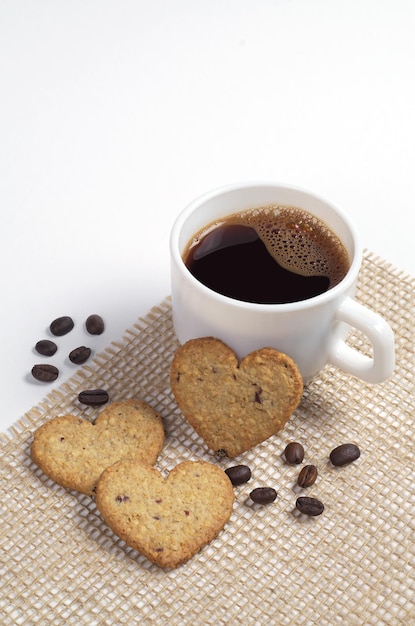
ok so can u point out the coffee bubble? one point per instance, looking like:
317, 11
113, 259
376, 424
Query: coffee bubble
298, 241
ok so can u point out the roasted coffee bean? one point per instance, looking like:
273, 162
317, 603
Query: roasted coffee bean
61, 326
45, 373
309, 506
238, 474
93, 397
263, 495
344, 454
80, 355
307, 476
294, 453
46, 347
95, 325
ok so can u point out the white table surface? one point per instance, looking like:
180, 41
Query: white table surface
115, 114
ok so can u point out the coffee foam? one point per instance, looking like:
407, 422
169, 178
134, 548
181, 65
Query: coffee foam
298, 241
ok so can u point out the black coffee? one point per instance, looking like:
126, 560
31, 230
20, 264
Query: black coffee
271, 255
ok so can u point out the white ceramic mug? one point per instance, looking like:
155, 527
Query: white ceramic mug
312, 331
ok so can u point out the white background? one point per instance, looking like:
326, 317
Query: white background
115, 114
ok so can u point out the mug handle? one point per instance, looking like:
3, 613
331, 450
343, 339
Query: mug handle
380, 366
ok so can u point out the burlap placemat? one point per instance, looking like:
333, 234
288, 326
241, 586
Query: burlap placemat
60, 564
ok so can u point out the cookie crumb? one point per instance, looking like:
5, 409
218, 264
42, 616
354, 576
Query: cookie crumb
221, 453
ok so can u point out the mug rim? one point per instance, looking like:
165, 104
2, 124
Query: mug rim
342, 287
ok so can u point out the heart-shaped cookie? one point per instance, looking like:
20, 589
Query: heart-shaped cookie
234, 406
167, 519
74, 452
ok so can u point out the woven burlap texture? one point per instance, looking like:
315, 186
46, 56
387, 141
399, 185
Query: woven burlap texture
60, 563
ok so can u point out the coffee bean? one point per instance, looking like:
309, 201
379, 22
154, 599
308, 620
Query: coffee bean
61, 326
46, 347
45, 373
309, 506
95, 325
294, 453
238, 474
80, 355
307, 476
263, 495
344, 454
93, 397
